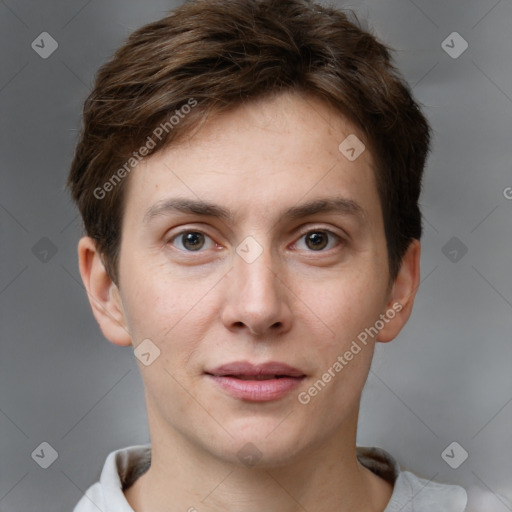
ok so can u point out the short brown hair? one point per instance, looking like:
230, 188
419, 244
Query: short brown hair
221, 53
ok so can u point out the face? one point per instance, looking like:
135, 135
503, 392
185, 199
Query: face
249, 303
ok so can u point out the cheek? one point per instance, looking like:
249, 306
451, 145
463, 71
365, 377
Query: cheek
152, 304
173, 313
347, 303
342, 359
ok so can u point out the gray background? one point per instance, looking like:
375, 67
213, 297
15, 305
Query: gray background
446, 378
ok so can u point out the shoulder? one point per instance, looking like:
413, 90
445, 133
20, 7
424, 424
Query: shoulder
122, 467
92, 501
422, 495
411, 492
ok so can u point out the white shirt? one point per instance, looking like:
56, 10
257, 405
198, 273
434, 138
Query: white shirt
410, 493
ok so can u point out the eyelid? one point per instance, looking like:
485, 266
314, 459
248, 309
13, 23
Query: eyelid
340, 237
330, 230
172, 238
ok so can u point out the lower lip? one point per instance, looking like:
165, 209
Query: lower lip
257, 390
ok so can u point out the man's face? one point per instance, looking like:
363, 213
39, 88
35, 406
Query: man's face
259, 286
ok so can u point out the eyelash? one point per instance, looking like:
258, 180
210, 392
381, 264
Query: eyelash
312, 230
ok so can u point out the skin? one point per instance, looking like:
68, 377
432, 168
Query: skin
296, 303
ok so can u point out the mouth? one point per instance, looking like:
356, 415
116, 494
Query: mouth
256, 377
250, 371
256, 382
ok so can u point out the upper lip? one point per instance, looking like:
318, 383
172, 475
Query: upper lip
246, 368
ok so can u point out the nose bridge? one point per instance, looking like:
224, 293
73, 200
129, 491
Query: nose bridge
256, 296
255, 267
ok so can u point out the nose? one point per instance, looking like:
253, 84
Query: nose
257, 297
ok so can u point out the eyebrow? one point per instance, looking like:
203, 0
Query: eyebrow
336, 205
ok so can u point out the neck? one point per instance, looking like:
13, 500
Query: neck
185, 477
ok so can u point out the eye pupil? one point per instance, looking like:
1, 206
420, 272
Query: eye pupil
194, 239
318, 240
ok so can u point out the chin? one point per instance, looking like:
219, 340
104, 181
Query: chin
262, 443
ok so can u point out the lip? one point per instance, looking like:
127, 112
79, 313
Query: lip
234, 378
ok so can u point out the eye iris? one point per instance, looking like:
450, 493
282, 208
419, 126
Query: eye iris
196, 241
318, 239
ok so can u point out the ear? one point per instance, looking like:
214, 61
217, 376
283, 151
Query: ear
402, 295
103, 293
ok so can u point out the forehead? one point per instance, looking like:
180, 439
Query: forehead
285, 151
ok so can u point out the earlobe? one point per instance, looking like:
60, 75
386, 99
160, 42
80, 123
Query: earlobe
403, 293
103, 293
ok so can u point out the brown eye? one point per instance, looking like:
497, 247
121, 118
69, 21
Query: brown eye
317, 240
191, 241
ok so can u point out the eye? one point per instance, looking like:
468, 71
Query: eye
191, 241
318, 239
315, 240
